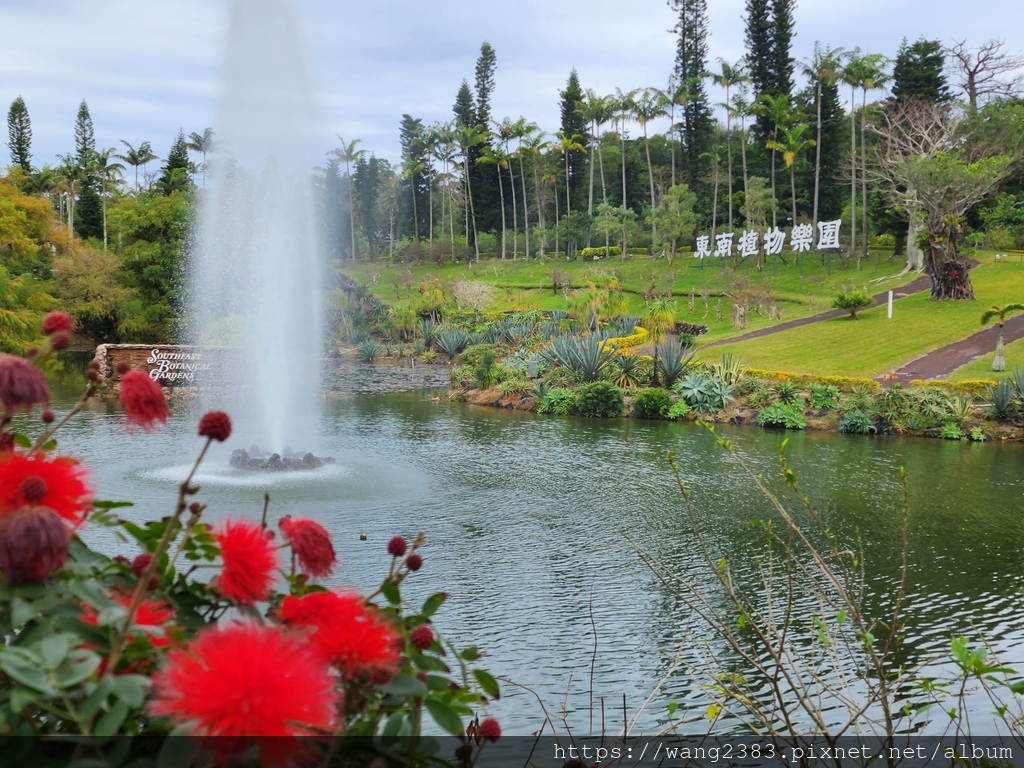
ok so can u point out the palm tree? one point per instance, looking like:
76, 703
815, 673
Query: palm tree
874, 76
1000, 313
777, 109
108, 173
823, 68
658, 320
470, 136
730, 75
410, 167
565, 145
596, 110
203, 143
496, 156
792, 145
623, 103
532, 144
523, 130
508, 130
743, 108
650, 106
69, 172
136, 157
349, 154
678, 96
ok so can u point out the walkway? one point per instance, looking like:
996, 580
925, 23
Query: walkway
920, 284
944, 360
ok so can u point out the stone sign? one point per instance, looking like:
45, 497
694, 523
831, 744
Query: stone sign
172, 365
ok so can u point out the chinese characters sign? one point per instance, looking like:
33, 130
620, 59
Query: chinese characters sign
751, 242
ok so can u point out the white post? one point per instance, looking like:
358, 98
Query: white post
890, 305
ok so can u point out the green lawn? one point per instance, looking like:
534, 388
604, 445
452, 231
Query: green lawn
872, 344
981, 368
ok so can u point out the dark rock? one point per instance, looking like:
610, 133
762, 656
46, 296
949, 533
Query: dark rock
257, 460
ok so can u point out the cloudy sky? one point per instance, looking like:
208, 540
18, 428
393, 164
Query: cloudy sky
147, 69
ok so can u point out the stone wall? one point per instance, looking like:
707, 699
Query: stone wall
173, 365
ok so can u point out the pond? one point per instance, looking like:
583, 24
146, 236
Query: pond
525, 516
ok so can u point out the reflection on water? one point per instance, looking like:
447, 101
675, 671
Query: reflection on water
523, 516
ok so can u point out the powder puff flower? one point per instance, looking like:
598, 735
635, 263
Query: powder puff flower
250, 560
61, 480
215, 425
151, 617
57, 321
246, 680
349, 634
143, 400
311, 544
33, 544
22, 385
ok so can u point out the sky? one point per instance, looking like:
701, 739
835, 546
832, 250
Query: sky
148, 69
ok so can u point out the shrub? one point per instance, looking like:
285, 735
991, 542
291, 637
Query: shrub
858, 422
589, 254
629, 371
651, 404
601, 398
557, 400
852, 302
679, 410
429, 356
514, 383
782, 415
486, 374
822, 395
786, 392
951, 431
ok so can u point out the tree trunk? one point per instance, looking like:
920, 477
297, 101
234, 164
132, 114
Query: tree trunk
853, 170
526, 206
951, 278
999, 362
864, 177
817, 162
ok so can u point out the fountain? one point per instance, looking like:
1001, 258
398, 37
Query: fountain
255, 272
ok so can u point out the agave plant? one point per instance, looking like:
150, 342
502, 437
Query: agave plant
427, 331
586, 357
368, 351
627, 371
1003, 399
451, 342
673, 358
730, 370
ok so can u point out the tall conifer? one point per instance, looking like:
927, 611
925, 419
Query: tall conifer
19, 135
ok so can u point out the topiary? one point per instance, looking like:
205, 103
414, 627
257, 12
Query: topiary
651, 404
601, 398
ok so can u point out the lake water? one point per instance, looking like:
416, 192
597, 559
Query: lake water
524, 516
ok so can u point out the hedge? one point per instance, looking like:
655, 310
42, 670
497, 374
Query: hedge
803, 379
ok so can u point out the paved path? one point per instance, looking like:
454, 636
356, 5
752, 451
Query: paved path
944, 360
920, 284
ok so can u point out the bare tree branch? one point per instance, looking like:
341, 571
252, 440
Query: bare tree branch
987, 72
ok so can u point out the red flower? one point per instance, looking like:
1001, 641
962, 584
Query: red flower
414, 562
143, 400
33, 544
216, 425
422, 637
396, 547
57, 321
245, 680
66, 491
250, 560
490, 729
349, 634
311, 544
151, 616
22, 385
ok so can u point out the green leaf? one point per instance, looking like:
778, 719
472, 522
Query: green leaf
112, 504
22, 612
403, 685
433, 602
444, 716
49, 445
77, 666
391, 593
21, 440
131, 689
487, 683
672, 707
177, 752
21, 698
53, 649
111, 722
429, 663
395, 725
28, 674
470, 654
97, 698
841, 617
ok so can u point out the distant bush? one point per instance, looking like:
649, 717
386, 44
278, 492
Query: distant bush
557, 400
589, 254
852, 302
602, 399
822, 395
651, 404
679, 410
782, 415
857, 422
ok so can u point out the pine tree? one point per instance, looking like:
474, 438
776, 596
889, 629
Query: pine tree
174, 174
19, 135
697, 127
89, 212
782, 43
769, 37
574, 124
85, 141
485, 66
919, 72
